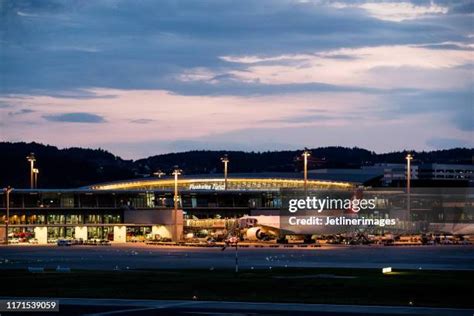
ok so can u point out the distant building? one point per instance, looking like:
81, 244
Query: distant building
394, 172
390, 174
365, 176
437, 171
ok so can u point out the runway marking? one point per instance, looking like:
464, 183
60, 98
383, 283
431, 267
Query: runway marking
163, 306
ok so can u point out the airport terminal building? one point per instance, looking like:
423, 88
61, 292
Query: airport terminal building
135, 210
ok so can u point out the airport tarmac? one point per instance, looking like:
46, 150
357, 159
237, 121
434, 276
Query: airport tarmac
141, 256
109, 307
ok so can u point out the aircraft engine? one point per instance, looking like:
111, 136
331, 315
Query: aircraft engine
255, 233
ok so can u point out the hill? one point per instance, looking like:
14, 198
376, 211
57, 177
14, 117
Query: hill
75, 167
60, 168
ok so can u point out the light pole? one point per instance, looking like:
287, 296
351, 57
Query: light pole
225, 160
409, 157
36, 172
7, 191
306, 153
159, 173
31, 158
176, 173
233, 240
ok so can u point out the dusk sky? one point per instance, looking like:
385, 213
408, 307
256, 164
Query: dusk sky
140, 78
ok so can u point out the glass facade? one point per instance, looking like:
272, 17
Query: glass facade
60, 232
100, 232
74, 219
138, 233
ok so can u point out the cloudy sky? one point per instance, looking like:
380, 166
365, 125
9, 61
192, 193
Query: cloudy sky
145, 77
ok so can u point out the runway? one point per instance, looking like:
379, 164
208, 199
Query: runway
140, 256
110, 307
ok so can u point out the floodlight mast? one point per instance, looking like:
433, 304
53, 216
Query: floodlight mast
176, 173
306, 153
225, 160
31, 158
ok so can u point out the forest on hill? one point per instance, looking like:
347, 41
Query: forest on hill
75, 167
